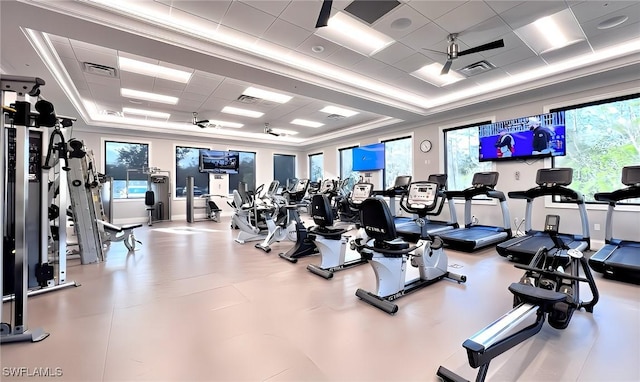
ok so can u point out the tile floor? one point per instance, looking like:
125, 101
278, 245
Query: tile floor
193, 305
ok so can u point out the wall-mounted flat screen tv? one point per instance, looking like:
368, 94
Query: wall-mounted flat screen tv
368, 158
219, 162
536, 136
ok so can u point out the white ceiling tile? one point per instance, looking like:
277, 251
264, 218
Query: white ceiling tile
530, 11
511, 56
136, 81
591, 9
302, 13
591, 30
313, 40
228, 90
465, 16
286, 34
487, 31
345, 58
272, 7
500, 6
567, 52
413, 62
393, 53
247, 19
210, 10
522, 66
92, 56
160, 83
169, 92
622, 34
102, 80
64, 49
434, 9
384, 24
425, 37
490, 76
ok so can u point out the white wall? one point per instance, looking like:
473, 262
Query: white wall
162, 155
626, 223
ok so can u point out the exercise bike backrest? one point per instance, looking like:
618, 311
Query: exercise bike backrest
321, 210
377, 220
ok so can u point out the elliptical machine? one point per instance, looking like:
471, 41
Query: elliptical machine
283, 226
331, 241
388, 253
550, 288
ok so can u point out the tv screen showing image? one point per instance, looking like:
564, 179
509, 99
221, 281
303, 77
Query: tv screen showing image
219, 162
368, 158
536, 136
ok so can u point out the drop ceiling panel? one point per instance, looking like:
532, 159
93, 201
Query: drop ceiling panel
393, 53
591, 30
590, 10
136, 81
522, 66
489, 30
530, 11
248, 19
386, 26
211, 10
345, 58
465, 16
166, 84
568, 52
434, 9
313, 40
425, 37
102, 80
511, 56
286, 34
489, 76
623, 33
64, 49
271, 7
87, 55
415, 62
228, 90
500, 6
302, 13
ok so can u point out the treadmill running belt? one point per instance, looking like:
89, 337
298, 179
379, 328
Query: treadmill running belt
627, 257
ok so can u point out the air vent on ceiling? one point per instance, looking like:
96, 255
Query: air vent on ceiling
112, 113
335, 117
248, 99
477, 68
101, 70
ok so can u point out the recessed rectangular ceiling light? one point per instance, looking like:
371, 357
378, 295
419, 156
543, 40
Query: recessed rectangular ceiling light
146, 113
352, 34
265, 94
226, 124
431, 74
153, 70
146, 96
551, 32
283, 131
242, 112
340, 111
304, 122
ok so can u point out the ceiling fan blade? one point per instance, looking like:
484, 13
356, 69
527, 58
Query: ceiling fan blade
325, 12
205, 121
482, 48
434, 51
446, 67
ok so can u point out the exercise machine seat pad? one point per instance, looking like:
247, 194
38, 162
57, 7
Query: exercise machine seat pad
328, 232
535, 295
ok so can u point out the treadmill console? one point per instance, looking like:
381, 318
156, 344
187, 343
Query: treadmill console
551, 224
485, 179
422, 195
361, 191
631, 175
554, 176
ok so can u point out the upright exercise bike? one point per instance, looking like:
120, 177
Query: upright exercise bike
550, 288
388, 253
330, 240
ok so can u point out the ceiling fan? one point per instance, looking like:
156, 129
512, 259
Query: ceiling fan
453, 51
268, 130
203, 124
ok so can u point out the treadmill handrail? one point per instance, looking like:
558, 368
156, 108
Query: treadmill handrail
618, 195
539, 191
470, 192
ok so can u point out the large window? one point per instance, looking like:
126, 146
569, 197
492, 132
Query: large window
398, 160
316, 167
284, 167
461, 159
602, 138
246, 171
187, 160
127, 163
346, 167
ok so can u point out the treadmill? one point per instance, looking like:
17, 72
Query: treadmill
414, 230
399, 188
474, 236
619, 259
552, 182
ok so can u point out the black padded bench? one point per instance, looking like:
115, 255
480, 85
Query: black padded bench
120, 233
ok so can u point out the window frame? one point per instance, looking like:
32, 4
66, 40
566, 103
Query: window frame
294, 159
175, 168
385, 141
255, 177
554, 202
340, 151
309, 156
104, 142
